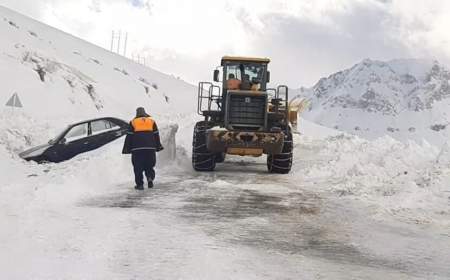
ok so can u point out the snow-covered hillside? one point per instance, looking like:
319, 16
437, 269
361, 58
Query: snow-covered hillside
61, 79
406, 99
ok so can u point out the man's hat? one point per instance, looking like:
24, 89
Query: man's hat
140, 112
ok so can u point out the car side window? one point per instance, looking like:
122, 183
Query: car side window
113, 125
77, 132
101, 126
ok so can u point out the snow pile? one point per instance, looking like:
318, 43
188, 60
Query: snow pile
405, 179
313, 130
405, 99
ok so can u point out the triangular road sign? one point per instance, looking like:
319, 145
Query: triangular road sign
14, 101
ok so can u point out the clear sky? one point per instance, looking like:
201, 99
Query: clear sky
306, 39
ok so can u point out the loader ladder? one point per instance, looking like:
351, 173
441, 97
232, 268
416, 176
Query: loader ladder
280, 96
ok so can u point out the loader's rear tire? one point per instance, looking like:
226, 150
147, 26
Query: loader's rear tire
282, 163
202, 159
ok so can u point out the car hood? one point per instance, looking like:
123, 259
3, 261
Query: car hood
32, 152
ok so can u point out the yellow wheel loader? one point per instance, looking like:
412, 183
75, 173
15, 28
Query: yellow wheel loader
242, 116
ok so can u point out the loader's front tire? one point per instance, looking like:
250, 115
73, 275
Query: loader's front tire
282, 163
220, 157
202, 159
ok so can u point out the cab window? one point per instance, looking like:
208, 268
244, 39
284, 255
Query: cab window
233, 71
254, 73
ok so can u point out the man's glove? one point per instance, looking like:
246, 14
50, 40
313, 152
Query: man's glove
160, 148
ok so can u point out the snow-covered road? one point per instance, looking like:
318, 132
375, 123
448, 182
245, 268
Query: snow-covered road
236, 223
286, 231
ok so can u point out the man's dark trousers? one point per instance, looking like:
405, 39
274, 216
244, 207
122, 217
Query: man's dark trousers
143, 162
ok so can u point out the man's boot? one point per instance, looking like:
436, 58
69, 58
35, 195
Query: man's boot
139, 187
150, 184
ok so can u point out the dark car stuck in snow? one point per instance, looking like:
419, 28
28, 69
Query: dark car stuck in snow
78, 138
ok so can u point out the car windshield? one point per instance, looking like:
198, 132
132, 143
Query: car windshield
59, 136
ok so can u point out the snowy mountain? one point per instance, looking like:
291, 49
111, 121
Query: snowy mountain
406, 99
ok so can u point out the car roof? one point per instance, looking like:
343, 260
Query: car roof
97, 119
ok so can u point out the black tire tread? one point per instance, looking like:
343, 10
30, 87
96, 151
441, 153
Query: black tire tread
282, 163
202, 159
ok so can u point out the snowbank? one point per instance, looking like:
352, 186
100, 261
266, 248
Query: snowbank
314, 130
406, 180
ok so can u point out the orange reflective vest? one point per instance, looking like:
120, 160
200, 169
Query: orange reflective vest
143, 124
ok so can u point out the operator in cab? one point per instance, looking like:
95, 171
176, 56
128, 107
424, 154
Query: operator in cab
232, 82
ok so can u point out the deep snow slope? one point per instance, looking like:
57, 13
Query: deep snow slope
59, 76
405, 99
61, 79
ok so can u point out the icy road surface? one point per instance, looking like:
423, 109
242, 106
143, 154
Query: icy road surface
236, 223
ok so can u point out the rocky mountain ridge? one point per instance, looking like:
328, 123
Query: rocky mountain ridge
373, 98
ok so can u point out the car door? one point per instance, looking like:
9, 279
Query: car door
74, 142
103, 132
117, 129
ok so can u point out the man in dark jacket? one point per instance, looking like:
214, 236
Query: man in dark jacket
143, 141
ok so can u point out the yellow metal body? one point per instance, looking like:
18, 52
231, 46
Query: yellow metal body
296, 107
245, 59
245, 151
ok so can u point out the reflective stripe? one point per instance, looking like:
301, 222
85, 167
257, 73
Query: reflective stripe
143, 148
142, 124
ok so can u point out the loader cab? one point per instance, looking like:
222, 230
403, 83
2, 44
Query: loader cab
243, 73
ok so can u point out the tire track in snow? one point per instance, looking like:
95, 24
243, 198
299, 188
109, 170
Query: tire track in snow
288, 221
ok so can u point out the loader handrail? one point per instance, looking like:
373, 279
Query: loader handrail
286, 102
210, 92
